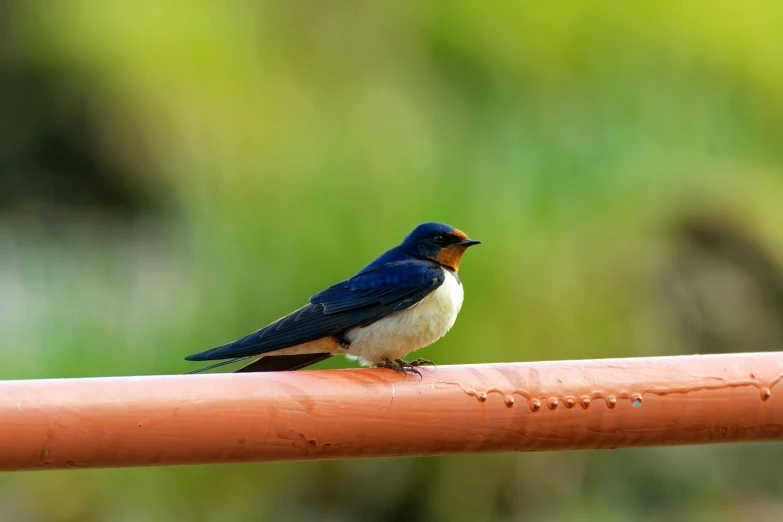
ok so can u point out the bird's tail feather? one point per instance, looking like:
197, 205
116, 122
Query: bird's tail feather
277, 363
217, 365
270, 363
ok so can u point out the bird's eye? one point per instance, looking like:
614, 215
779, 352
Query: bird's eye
438, 238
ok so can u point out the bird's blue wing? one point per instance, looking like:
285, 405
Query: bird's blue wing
358, 301
396, 286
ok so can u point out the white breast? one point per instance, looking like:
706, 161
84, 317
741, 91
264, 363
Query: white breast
397, 335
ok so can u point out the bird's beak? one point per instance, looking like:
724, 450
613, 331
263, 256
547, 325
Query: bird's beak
469, 242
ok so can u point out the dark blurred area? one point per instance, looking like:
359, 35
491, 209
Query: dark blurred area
175, 176
50, 156
723, 290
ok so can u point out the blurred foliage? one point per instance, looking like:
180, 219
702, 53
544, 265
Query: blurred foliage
174, 176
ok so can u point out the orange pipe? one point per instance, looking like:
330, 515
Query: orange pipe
200, 419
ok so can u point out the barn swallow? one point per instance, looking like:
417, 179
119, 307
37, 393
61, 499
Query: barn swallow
404, 300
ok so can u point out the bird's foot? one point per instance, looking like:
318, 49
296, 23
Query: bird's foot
407, 366
422, 362
398, 365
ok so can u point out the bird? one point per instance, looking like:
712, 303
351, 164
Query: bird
404, 300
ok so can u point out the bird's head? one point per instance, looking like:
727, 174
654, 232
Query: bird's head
438, 242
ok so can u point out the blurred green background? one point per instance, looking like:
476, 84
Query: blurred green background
175, 176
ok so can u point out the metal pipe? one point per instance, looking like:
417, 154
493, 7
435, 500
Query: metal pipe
329, 414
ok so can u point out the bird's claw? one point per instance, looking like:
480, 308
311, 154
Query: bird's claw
398, 365
422, 362
408, 367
